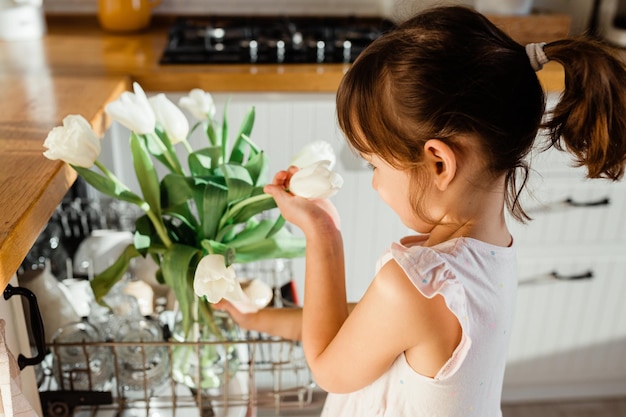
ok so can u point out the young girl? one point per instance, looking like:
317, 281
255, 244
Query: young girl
444, 108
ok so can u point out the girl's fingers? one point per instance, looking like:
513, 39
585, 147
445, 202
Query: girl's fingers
281, 177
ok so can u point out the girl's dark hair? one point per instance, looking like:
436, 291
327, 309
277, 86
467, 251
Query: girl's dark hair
449, 72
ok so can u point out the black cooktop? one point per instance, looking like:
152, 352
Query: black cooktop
259, 40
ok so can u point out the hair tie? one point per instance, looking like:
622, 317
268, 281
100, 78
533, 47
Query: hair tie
537, 56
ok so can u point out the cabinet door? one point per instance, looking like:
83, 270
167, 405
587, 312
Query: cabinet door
570, 325
571, 212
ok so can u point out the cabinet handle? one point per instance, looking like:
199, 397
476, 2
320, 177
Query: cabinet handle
36, 325
552, 276
602, 202
575, 277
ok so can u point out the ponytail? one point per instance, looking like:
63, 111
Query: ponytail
590, 119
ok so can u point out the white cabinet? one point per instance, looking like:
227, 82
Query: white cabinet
569, 335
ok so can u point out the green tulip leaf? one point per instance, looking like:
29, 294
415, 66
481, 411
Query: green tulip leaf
176, 193
175, 190
157, 146
238, 181
252, 206
253, 231
146, 174
102, 283
212, 134
224, 140
246, 209
242, 143
271, 248
198, 185
180, 230
110, 187
215, 201
203, 161
278, 225
182, 213
258, 167
170, 153
143, 237
227, 233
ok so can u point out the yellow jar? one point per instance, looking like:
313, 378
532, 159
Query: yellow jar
125, 15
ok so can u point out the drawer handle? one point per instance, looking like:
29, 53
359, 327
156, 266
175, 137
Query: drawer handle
602, 202
584, 275
555, 276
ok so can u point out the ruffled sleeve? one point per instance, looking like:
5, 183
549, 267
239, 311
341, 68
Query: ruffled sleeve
432, 276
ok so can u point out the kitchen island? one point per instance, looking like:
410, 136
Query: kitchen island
78, 68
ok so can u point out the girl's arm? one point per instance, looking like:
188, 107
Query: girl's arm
285, 322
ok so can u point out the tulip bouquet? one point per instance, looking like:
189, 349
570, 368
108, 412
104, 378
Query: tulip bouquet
202, 216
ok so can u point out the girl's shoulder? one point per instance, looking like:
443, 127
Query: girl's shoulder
461, 261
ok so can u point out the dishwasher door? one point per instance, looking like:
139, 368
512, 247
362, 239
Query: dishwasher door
17, 342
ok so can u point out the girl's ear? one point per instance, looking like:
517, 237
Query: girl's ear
441, 161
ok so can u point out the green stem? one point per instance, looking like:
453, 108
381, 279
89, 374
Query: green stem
239, 206
207, 314
108, 173
156, 220
171, 159
137, 200
160, 228
187, 146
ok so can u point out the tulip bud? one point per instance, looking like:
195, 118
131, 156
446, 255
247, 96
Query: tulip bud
314, 152
216, 281
315, 181
170, 117
133, 111
75, 142
199, 103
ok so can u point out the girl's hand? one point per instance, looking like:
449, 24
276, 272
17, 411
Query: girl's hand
304, 213
280, 322
243, 320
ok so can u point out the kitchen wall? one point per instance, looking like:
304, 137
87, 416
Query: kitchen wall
580, 10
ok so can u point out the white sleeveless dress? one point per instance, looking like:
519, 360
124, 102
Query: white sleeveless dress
478, 282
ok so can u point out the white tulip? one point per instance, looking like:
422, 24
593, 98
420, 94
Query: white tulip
314, 152
133, 110
199, 103
75, 142
315, 181
216, 281
170, 117
257, 295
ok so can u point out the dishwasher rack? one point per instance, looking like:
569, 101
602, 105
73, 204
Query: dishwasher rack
270, 374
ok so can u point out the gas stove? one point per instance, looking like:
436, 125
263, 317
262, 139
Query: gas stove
265, 40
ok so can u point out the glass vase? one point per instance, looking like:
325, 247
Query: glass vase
208, 363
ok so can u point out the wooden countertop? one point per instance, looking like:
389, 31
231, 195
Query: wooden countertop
32, 186
77, 47
78, 68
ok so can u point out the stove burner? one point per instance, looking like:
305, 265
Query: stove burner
259, 40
